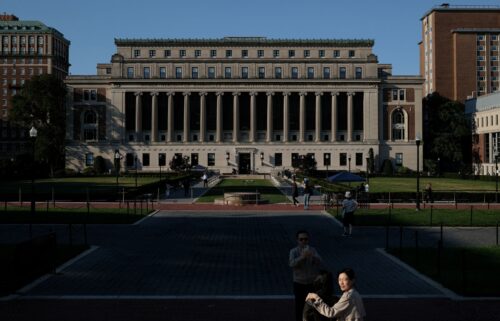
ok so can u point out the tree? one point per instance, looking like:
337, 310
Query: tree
41, 103
447, 130
305, 163
371, 161
179, 163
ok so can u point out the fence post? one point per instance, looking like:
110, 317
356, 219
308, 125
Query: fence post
441, 234
471, 214
431, 214
47, 206
389, 219
20, 196
416, 249
53, 196
497, 233
387, 237
439, 252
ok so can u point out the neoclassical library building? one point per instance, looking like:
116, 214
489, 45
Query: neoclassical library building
245, 104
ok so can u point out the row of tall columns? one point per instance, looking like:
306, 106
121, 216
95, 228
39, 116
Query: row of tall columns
236, 117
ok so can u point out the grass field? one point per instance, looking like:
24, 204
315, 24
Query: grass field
466, 271
409, 184
266, 189
424, 217
50, 215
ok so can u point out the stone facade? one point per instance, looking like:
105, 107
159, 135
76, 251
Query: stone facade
245, 104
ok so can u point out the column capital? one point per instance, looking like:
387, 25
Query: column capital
334, 93
286, 93
204, 93
303, 93
138, 93
219, 93
236, 93
170, 93
319, 93
270, 93
186, 93
154, 93
352, 93
253, 93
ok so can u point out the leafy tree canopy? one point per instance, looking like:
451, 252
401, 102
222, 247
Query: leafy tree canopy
41, 103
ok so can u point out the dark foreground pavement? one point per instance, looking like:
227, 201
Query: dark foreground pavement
237, 309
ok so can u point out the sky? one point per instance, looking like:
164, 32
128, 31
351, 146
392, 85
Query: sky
92, 25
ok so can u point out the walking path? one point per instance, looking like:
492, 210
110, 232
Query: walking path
191, 262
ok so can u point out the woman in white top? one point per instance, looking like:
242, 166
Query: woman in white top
350, 305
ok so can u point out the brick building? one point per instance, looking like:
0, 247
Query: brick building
459, 52
29, 48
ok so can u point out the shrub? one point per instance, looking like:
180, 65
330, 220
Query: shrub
387, 168
99, 165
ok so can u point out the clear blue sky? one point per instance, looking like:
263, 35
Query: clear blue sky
92, 25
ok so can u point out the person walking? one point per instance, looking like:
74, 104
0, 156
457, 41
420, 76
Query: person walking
428, 193
204, 178
350, 305
348, 207
305, 263
307, 193
295, 192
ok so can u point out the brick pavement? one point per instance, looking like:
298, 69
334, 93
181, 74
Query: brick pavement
185, 255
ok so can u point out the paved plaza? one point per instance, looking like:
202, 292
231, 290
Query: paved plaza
226, 265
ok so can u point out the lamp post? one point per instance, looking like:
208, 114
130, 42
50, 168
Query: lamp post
227, 158
417, 142
349, 160
161, 159
496, 177
33, 132
261, 159
135, 164
439, 167
117, 170
327, 163
367, 169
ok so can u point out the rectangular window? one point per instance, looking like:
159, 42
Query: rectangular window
227, 72
307, 53
262, 72
182, 53
211, 159
194, 159
244, 53
399, 159
359, 159
277, 73
359, 72
162, 159
401, 94
343, 159
352, 53
244, 72
178, 72
130, 72
211, 72
145, 159
152, 53
167, 53
197, 53
278, 159
291, 53
229, 53
395, 94
163, 72
260, 53
310, 72
213, 53
137, 53
327, 159
336, 53
342, 72
89, 159
194, 72
295, 73
295, 159
321, 53
146, 73
326, 72
276, 53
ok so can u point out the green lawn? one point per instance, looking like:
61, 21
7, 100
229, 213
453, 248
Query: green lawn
267, 191
22, 215
410, 217
409, 184
466, 271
